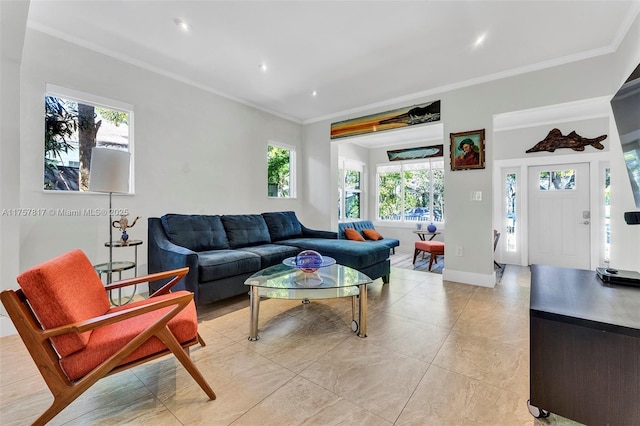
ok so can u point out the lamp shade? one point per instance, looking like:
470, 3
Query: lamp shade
109, 170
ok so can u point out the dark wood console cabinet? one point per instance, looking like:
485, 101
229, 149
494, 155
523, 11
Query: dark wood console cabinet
584, 347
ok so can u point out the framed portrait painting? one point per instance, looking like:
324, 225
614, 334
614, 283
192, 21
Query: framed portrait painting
467, 150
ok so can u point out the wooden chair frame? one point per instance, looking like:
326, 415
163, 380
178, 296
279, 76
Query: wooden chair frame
44, 355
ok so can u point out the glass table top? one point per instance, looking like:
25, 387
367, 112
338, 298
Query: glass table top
286, 282
114, 266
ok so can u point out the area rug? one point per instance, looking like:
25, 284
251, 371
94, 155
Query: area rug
405, 261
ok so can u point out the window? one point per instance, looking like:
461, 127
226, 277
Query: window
411, 192
350, 190
281, 166
75, 123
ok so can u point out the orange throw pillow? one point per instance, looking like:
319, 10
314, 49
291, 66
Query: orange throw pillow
353, 235
372, 234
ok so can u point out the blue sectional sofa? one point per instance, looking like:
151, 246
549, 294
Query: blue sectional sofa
223, 251
361, 225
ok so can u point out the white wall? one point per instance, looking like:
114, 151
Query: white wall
512, 143
13, 16
195, 152
469, 224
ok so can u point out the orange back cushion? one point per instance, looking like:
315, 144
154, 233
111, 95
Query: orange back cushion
372, 234
64, 290
352, 234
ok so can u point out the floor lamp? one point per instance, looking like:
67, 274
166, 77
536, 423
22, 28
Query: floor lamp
109, 173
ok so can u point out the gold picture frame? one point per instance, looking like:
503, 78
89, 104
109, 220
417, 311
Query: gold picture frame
467, 150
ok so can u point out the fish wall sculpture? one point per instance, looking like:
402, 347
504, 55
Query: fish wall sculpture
555, 140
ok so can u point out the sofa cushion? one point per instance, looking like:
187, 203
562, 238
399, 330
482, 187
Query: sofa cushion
245, 230
195, 232
105, 341
353, 235
219, 264
282, 225
272, 254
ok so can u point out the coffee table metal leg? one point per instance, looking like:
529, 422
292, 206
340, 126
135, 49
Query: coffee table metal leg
354, 323
255, 307
362, 314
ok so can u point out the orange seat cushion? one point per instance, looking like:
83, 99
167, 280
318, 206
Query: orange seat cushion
353, 235
105, 341
64, 290
372, 234
435, 247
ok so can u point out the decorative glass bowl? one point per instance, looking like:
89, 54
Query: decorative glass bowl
309, 261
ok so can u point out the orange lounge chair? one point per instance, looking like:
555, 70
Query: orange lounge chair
75, 337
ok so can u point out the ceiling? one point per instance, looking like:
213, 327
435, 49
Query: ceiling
356, 55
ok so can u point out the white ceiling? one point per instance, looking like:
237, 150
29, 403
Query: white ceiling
357, 55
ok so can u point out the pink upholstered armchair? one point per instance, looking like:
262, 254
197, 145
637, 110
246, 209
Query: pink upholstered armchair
63, 315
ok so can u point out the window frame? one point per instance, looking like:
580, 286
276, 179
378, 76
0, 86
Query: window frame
96, 101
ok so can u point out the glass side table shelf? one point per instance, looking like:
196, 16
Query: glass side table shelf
117, 267
108, 269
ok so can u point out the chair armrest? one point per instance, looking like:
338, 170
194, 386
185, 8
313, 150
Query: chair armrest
178, 274
180, 300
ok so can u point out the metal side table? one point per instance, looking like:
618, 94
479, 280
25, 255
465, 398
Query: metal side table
119, 266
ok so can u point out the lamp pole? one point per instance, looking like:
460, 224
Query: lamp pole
110, 237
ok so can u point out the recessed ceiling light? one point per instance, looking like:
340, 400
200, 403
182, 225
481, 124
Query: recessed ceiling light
262, 67
184, 26
314, 93
480, 40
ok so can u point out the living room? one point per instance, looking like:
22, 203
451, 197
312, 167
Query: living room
188, 141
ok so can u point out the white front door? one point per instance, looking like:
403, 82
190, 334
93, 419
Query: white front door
559, 217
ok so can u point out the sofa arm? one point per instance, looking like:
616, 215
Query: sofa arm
164, 255
313, 233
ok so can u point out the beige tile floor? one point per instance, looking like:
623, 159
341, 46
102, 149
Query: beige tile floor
437, 354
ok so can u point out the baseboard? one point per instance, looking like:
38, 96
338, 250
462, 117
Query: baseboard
6, 326
471, 278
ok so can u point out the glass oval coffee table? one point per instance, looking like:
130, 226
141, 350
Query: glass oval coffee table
288, 282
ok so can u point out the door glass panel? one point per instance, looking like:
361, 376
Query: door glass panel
607, 214
511, 211
558, 180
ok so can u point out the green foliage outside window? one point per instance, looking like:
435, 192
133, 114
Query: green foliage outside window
115, 117
278, 171
389, 196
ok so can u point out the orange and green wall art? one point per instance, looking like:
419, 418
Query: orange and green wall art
401, 117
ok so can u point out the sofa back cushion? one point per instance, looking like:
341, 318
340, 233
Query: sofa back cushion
195, 232
359, 226
244, 230
282, 225
62, 291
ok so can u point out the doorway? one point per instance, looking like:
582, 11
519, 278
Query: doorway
559, 224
